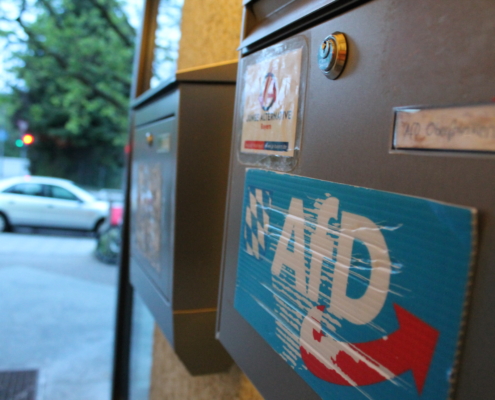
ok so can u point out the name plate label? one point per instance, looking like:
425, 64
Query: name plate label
469, 128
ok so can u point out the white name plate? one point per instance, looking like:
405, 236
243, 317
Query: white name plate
469, 128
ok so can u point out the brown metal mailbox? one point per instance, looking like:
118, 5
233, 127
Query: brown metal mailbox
330, 179
180, 162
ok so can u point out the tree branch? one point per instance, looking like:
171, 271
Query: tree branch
104, 13
64, 65
52, 13
97, 91
126, 21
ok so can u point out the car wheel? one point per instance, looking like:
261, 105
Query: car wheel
4, 224
99, 228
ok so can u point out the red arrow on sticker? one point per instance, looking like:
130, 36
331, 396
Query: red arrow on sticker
411, 347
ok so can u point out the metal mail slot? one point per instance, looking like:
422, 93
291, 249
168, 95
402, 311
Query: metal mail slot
350, 213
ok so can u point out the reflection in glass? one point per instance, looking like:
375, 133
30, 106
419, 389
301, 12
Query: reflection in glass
167, 38
141, 350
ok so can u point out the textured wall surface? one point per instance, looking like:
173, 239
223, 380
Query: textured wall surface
210, 32
171, 381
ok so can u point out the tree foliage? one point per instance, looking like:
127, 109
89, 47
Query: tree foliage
73, 72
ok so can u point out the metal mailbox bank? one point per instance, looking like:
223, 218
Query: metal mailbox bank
179, 174
358, 246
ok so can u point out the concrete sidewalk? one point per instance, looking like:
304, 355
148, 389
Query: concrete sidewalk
57, 311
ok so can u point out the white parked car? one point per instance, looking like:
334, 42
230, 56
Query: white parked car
38, 201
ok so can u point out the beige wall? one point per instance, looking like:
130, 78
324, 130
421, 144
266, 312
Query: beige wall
210, 34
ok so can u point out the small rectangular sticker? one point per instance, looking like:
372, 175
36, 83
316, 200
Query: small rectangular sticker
469, 128
271, 96
163, 143
361, 292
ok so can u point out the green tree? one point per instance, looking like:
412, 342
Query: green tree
73, 70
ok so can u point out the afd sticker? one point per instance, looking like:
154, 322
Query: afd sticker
361, 292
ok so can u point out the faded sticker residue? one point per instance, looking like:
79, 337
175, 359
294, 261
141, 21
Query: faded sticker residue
148, 214
361, 292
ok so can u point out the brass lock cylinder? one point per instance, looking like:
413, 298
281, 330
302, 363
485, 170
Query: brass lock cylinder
332, 55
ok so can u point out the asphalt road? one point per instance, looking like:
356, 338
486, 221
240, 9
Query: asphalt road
57, 312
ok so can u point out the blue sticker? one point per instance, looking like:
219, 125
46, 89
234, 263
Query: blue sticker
361, 292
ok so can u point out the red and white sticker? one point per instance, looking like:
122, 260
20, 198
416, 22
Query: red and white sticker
271, 95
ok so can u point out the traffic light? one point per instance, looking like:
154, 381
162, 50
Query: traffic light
27, 139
